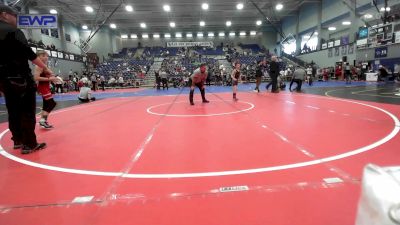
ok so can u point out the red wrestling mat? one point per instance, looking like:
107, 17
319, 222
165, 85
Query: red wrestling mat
267, 159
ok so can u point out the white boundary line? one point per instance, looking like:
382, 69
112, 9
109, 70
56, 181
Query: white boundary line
393, 133
197, 115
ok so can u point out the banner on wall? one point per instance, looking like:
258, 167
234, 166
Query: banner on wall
397, 37
381, 52
37, 21
190, 44
54, 54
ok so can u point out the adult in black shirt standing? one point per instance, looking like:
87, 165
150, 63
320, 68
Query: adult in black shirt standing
274, 73
17, 83
261, 66
383, 73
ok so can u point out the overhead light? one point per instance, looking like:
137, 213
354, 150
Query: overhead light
124, 36
221, 34
167, 8
202, 23
167, 35
85, 27
178, 35
172, 24
156, 36
89, 9
239, 6
306, 36
211, 34
113, 26
129, 8
228, 23
200, 34
189, 35
331, 28
368, 16
133, 36
253, 33
142, 25
53, 11
259, 22
383, 9
346, 23
232, 34
204, 6
242, 33
279, 6
145, 36
315, 33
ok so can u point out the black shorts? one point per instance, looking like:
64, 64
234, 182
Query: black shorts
235, 82
48, 104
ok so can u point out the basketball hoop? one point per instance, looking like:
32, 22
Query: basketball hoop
83, 45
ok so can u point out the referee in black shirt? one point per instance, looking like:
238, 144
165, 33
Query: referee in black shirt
274, 73
16, 82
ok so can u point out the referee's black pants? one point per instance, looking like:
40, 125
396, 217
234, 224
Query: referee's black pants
21, 107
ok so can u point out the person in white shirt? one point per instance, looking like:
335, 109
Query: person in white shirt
85, 94
121, 81
58, 84
103, 82
164, 79
84, 80
309, 79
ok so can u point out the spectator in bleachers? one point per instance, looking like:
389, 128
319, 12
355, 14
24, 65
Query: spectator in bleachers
41, 44
112, 82
121, 80
84, 80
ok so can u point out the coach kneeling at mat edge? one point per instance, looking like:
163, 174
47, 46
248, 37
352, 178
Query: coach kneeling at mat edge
298, 76
198, 77
85, 94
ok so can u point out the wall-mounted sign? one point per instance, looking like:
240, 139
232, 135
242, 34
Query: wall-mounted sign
37, 21
381, 52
